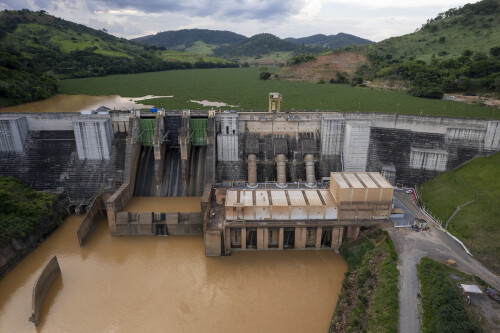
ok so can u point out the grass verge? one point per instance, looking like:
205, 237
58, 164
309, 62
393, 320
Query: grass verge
477, 224
443, 307
368, 300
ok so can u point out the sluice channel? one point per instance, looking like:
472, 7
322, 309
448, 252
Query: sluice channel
171, 184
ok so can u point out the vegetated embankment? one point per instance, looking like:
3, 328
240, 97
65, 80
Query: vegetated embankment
27, 217
442, 305
368, 300
478, 223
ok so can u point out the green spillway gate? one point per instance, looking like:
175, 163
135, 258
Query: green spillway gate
198, 131
147, 131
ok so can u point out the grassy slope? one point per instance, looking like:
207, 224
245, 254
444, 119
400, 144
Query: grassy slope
479, 36
477, 224
242, 87
202, 48
443, 308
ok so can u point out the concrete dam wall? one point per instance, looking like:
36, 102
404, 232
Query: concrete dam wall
86, 153
406, 149
80, 153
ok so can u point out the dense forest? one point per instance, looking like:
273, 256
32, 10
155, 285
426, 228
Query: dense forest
24, 211
37, 49
230, 45
262, 44
185, 38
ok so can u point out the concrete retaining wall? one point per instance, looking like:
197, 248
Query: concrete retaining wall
144, 223
115, 203
96, 212
42, 286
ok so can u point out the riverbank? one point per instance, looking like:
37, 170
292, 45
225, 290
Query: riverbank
27, 218
368, 300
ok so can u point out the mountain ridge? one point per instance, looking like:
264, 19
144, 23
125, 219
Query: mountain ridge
228, 44
330, 41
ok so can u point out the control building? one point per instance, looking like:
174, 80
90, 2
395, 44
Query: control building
266, 219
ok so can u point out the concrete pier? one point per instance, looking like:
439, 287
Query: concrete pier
93, 139
13, 133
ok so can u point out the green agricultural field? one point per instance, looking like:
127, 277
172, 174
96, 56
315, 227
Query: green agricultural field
243, 88
477, 224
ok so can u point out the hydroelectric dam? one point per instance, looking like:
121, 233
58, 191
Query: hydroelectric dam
267, 180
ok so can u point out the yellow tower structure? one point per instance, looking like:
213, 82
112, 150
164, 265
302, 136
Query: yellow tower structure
274, 102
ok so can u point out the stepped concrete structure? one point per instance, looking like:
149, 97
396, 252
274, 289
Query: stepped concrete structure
259, 174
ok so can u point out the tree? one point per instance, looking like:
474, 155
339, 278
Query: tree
495, 51
265, 75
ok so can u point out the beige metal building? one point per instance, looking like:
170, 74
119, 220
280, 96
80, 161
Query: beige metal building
361, 195
300, 218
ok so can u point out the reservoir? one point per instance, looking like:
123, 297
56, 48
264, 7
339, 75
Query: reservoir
166, 284
77, 103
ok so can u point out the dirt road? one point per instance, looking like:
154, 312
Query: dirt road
411, 246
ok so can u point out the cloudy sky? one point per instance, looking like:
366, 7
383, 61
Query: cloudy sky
372, 19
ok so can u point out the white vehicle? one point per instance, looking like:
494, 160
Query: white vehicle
409, 191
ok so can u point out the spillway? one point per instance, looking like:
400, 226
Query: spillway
171, 182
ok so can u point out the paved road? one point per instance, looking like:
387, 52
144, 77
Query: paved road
411, 246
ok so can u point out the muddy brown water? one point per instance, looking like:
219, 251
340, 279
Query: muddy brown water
77, 103
166, 284
163, 204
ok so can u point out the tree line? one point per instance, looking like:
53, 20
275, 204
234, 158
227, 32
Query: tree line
471, 72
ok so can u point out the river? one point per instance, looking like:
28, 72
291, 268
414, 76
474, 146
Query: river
77, 103
166, 284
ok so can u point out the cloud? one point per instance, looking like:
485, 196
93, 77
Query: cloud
375, 20
245, 9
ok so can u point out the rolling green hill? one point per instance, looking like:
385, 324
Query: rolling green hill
262, 44
259, 49
456, 52
36, 49
332, 41
198, 41
474, 27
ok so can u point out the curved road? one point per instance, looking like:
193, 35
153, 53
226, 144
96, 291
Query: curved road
411, 246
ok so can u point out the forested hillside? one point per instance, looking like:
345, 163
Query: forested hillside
36, 49
458, 51
263, 44
230, 45
187, 39
331, 41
